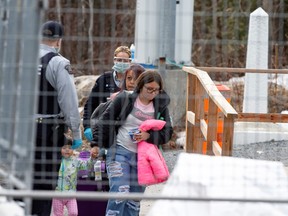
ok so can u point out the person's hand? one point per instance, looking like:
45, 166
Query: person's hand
94, 152
76, 144
141, 136
88, 134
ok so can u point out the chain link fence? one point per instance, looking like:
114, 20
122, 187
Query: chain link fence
93, 29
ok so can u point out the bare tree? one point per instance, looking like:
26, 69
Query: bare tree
58, 8
90, 35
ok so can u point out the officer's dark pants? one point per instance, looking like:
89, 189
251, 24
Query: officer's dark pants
49, 140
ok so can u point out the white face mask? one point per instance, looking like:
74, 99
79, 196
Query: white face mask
57, 49
58, 45
121, 67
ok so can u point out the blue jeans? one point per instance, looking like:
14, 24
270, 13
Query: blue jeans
123, 178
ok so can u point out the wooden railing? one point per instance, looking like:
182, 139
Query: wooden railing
202, 127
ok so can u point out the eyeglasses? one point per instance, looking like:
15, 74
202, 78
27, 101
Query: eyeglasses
152, 90
119, 59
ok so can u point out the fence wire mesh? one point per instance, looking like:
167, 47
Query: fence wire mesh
93, 29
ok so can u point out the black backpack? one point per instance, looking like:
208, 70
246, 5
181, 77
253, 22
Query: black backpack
102, 107
98, 112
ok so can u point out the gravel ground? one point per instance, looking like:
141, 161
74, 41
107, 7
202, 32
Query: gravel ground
171, 157
272, 151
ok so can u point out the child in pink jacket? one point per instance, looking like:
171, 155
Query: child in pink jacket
152, 168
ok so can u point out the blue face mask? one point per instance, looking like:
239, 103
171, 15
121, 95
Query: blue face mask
121, 67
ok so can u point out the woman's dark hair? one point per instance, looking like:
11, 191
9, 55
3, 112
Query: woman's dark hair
147, 77
137, 70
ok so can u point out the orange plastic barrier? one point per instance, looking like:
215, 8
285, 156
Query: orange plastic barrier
227, 94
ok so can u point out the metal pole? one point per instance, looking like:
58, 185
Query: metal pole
167, 19
31, 22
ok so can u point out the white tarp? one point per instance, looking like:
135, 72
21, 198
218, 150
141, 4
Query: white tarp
224, 177
10, 208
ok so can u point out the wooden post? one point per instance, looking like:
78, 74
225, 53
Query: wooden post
212, 125
199, 114
228, 134
190, 107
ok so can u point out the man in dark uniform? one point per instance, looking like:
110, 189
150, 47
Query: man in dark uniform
57, 111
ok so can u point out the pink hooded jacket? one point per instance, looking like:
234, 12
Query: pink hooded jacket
152, 168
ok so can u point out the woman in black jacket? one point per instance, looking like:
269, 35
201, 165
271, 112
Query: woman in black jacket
126, 112
106, 84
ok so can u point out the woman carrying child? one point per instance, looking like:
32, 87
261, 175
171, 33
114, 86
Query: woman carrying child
148, 101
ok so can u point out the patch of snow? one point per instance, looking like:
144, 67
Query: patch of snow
181, 139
